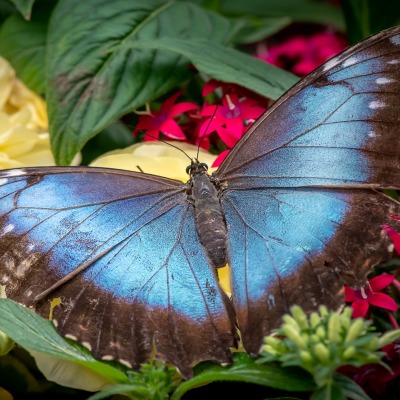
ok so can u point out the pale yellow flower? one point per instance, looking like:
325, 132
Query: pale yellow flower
159, 158
24, 141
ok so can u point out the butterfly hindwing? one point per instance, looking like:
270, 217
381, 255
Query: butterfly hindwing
299, 246
145, 280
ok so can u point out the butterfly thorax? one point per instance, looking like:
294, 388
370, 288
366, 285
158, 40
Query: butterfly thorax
210, 222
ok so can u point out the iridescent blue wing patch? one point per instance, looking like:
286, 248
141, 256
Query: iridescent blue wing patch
120, 249
338, 126
299, 246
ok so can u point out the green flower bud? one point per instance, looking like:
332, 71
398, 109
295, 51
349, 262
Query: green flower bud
387, 338
323, 311
356, 329
294, 336
322, 352
272, 341
300, 316
373, 344
321, 332
334, 328
315, 319
306, 356
269, 349
6, 344
349, 352
289, 320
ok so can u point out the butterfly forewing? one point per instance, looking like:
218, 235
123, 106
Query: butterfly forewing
145, 283
338, 126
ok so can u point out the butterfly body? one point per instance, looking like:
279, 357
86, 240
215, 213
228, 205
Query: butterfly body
296, 209
210, 223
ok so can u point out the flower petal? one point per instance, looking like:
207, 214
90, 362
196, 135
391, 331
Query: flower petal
349, 294
182, 107
171, 129
394, 236
220, 158
360, 308
382, 300
381, 281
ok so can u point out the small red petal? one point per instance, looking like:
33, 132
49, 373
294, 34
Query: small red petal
210, 86
182, 107
349, 294
382, 300
167, 104
396, 217
220, 158
171, 129
360, 308
381, 281
394, 236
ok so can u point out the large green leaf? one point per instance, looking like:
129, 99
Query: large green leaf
24, 7
299, 10
23, 44
90, 85
35, 333
226, 64
245, 369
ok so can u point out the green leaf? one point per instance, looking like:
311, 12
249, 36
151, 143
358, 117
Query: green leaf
132, 391
245, 369
24, 7
328, 392
350, 388
6, 9
256, 29
227, 65
299, 10
22, 43
90, 85
32, 332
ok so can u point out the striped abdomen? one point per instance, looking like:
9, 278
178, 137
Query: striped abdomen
210, 223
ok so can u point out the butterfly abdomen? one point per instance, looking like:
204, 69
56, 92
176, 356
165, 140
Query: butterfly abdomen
210, 223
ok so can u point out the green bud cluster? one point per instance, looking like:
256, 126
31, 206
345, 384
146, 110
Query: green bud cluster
323, 341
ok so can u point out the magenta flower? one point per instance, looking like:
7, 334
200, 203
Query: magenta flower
231, 119
394, 235
371, 294
302, 54
163, 121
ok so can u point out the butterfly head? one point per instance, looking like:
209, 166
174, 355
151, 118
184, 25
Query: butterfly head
196, 168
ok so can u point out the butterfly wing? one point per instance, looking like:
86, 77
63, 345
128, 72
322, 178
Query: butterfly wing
298, 197
338, 126
299, 246
125, 261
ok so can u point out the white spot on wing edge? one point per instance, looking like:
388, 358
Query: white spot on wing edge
107, 358
72, 337
87, 345
8, 228
395, 40
126, 363
394, 62
382, 81
350, 61
371, 134
330, 64
3, 181
376, 104
14, 172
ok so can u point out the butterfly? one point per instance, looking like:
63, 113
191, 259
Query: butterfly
296, 209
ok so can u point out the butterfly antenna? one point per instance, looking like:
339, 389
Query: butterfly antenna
206, 130
169, 144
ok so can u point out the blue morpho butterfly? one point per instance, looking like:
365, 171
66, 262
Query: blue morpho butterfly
294, 208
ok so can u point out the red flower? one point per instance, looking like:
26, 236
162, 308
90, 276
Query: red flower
231, 119
302, 54
371, 294
395, 236
378, 381
163, 120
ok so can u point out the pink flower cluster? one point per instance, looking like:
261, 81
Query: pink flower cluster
229, 120
301, 54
